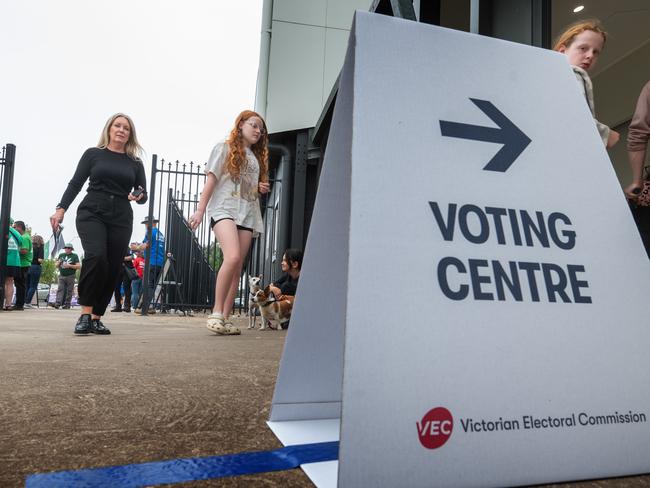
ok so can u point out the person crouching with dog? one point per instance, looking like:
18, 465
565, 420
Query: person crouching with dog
287, 283
237, 172
285, 287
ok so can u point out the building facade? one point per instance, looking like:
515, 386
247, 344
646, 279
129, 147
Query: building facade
304, 43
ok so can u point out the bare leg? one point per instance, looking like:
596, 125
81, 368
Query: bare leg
227, 235
9, 290
244, 237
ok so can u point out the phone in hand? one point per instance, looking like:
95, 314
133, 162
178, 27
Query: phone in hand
137, 192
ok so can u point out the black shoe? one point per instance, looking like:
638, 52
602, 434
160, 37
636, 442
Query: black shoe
116, 309
83, 325
17, 308
66, 307
127, 310
96, 327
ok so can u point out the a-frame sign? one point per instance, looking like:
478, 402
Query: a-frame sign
472, 305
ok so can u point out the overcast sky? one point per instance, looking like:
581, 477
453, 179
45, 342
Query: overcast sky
181, 70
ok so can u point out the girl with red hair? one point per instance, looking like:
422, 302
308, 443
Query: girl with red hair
237, 173
582, 44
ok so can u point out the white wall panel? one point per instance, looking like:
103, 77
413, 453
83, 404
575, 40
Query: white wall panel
308, 43
295, 76
340, 13
311, 12
336, 42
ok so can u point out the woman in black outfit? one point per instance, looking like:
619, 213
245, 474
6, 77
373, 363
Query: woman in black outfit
104, 217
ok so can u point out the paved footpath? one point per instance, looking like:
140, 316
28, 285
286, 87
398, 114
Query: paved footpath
160, 387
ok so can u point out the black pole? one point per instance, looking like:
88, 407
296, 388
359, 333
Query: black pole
5, 210
147, 261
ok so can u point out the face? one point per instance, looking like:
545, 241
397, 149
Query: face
284, 264
584, 50
252, 129
68, 250
120, 131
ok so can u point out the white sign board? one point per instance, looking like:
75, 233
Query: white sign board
472, 302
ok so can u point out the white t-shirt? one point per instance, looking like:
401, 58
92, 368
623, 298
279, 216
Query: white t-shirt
237, 200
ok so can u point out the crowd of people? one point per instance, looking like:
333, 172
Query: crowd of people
236, 176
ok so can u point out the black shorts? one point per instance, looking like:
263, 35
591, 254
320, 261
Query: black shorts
239, 227
14, 272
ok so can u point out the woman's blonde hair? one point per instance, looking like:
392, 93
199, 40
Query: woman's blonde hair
237, 150
38, 240
568, 36
133, 148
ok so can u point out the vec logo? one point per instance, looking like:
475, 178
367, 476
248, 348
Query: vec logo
435, 427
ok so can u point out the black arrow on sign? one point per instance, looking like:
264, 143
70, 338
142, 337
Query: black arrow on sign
513, 139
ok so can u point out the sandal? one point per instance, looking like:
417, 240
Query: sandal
229, 329
215, 323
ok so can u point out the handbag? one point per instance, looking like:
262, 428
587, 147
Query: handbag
643, 200
130, 273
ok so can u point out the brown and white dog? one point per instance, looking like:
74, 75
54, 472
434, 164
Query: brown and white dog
275, 312
253, 287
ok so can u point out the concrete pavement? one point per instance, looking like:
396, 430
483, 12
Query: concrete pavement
159, 387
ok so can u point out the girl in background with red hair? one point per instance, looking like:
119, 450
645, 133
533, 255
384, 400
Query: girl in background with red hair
237, 172
582, 44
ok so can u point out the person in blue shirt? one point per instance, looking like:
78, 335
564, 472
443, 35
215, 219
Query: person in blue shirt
157, 259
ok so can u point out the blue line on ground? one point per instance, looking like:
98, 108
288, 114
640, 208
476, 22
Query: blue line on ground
190, 469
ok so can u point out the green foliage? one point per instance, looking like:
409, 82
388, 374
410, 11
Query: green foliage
214, 256
49, 272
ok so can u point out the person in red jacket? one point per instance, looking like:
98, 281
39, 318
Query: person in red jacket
136, 285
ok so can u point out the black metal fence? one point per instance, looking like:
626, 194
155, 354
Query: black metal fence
193, 257
7, 160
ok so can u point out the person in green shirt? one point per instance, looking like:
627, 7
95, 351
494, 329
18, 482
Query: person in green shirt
25, 262
67, 263
13, 265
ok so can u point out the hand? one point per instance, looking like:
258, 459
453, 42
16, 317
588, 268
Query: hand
613, 138
195, 220
630, 192
276, 291
57, 218
135, 199
264, 187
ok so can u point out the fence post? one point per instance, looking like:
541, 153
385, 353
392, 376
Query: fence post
147, 263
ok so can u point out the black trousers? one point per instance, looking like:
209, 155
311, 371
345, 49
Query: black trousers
104, 224
21, 287
123, 282
642, 219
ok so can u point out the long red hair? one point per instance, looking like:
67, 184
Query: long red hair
237, 151
567, 37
